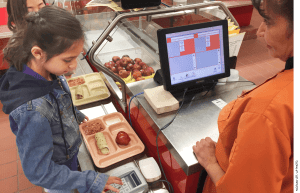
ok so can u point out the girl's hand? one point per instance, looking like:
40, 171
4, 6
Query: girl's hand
85, 119
112, 180
205, 152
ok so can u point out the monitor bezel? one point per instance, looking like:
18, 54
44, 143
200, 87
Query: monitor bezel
131, 4
164, 60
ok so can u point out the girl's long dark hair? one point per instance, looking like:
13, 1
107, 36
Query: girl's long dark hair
53, 29
16, 10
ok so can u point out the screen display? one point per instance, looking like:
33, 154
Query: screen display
195, 54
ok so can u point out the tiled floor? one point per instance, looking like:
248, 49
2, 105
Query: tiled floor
253, 63
12, 178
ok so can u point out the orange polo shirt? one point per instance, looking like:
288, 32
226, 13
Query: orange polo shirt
255, 145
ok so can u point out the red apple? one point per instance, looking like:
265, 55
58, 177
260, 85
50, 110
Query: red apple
137, 60
120, 68
147, 72
123, 62
151, 69
114, 69
142, 71
142, 63
136, 74
145, 66
115, 58
134, 70
129, 66
123, 73
107, 65
126, 60
136, 66
112, 63
125, 56
122, 138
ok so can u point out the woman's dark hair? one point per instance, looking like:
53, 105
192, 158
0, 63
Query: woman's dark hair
284, 8
16, 10
53, 29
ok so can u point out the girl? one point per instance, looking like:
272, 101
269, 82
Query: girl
254, 152
39, 104
17, 9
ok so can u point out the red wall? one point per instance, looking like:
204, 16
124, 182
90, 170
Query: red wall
3, 16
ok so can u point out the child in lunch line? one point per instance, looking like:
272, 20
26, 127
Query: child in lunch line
17, 10
39, 104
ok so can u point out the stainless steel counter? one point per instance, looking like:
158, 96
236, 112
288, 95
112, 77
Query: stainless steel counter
196, 120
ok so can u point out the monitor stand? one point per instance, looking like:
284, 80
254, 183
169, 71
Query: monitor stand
192, 91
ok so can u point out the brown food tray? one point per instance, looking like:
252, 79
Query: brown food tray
93, 88
112, 124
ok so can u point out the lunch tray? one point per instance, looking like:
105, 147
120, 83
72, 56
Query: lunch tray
94, 89
112, 123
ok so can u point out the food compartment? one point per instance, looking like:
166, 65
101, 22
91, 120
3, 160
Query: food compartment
85, 91
113, 118
93, 126
128, 151
116, 128
76, 81
100, 92
92, 77
96, 151
132, 142
96, 83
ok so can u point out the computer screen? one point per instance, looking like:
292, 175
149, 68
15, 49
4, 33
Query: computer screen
192, 53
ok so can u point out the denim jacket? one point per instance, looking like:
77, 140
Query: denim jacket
41, 146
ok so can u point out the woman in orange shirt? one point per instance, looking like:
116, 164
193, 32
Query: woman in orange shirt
254, 152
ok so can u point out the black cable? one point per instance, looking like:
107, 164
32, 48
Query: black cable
164, 127
165, 4
240, 81
201, 181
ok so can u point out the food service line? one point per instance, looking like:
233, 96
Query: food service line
196, 120
95, 110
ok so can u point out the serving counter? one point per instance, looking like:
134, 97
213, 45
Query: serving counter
135, 32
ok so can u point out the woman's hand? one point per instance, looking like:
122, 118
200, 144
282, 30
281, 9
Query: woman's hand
205, 152
112, 180
85, 119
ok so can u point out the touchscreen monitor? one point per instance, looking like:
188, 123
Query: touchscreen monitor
193, 54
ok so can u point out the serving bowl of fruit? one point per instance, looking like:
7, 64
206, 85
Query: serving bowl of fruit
131, 65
